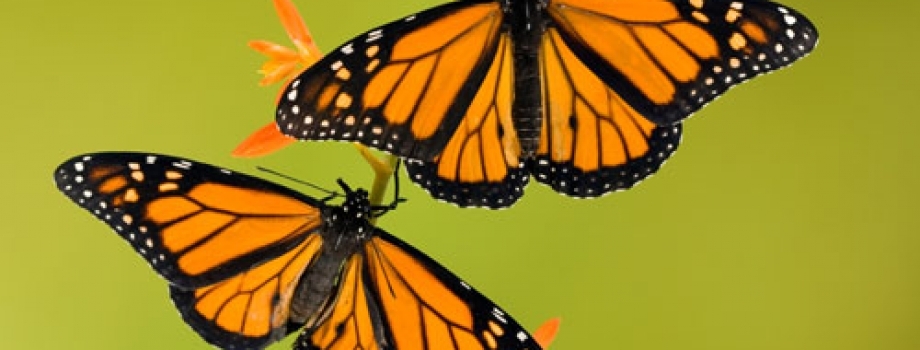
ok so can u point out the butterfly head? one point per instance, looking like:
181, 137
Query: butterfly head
350, 219
357, 205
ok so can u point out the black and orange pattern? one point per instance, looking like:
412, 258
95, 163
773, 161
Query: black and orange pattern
586, 95
250, 261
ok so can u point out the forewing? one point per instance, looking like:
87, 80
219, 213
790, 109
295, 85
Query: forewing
668, 58
402, 88
195, 224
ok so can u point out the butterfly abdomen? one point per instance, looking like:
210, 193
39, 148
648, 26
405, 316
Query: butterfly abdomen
526, 22
317, 284
344, 231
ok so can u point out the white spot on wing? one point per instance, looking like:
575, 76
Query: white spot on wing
183, 164
347, 49
499, 315
374, 35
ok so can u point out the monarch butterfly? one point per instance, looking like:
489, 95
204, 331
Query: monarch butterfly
250, 261
586, 95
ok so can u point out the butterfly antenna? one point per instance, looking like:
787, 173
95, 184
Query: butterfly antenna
332, 194
344, 186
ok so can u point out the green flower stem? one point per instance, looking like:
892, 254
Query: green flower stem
383, 169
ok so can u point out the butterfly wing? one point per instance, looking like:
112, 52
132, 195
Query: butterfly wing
402, 87
232, 246
480, 165
249, 310
412, 302
668, 58
195, 224
592, 142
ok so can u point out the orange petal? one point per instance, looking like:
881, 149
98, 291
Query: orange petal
546, 333
272, 50
296, 28
275, 71
282, 61
264, 141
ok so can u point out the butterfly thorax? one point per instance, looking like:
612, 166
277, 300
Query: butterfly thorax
344, 231
526, 21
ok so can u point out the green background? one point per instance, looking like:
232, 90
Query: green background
788, 218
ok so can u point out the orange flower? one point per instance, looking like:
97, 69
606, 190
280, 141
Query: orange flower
283, 64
